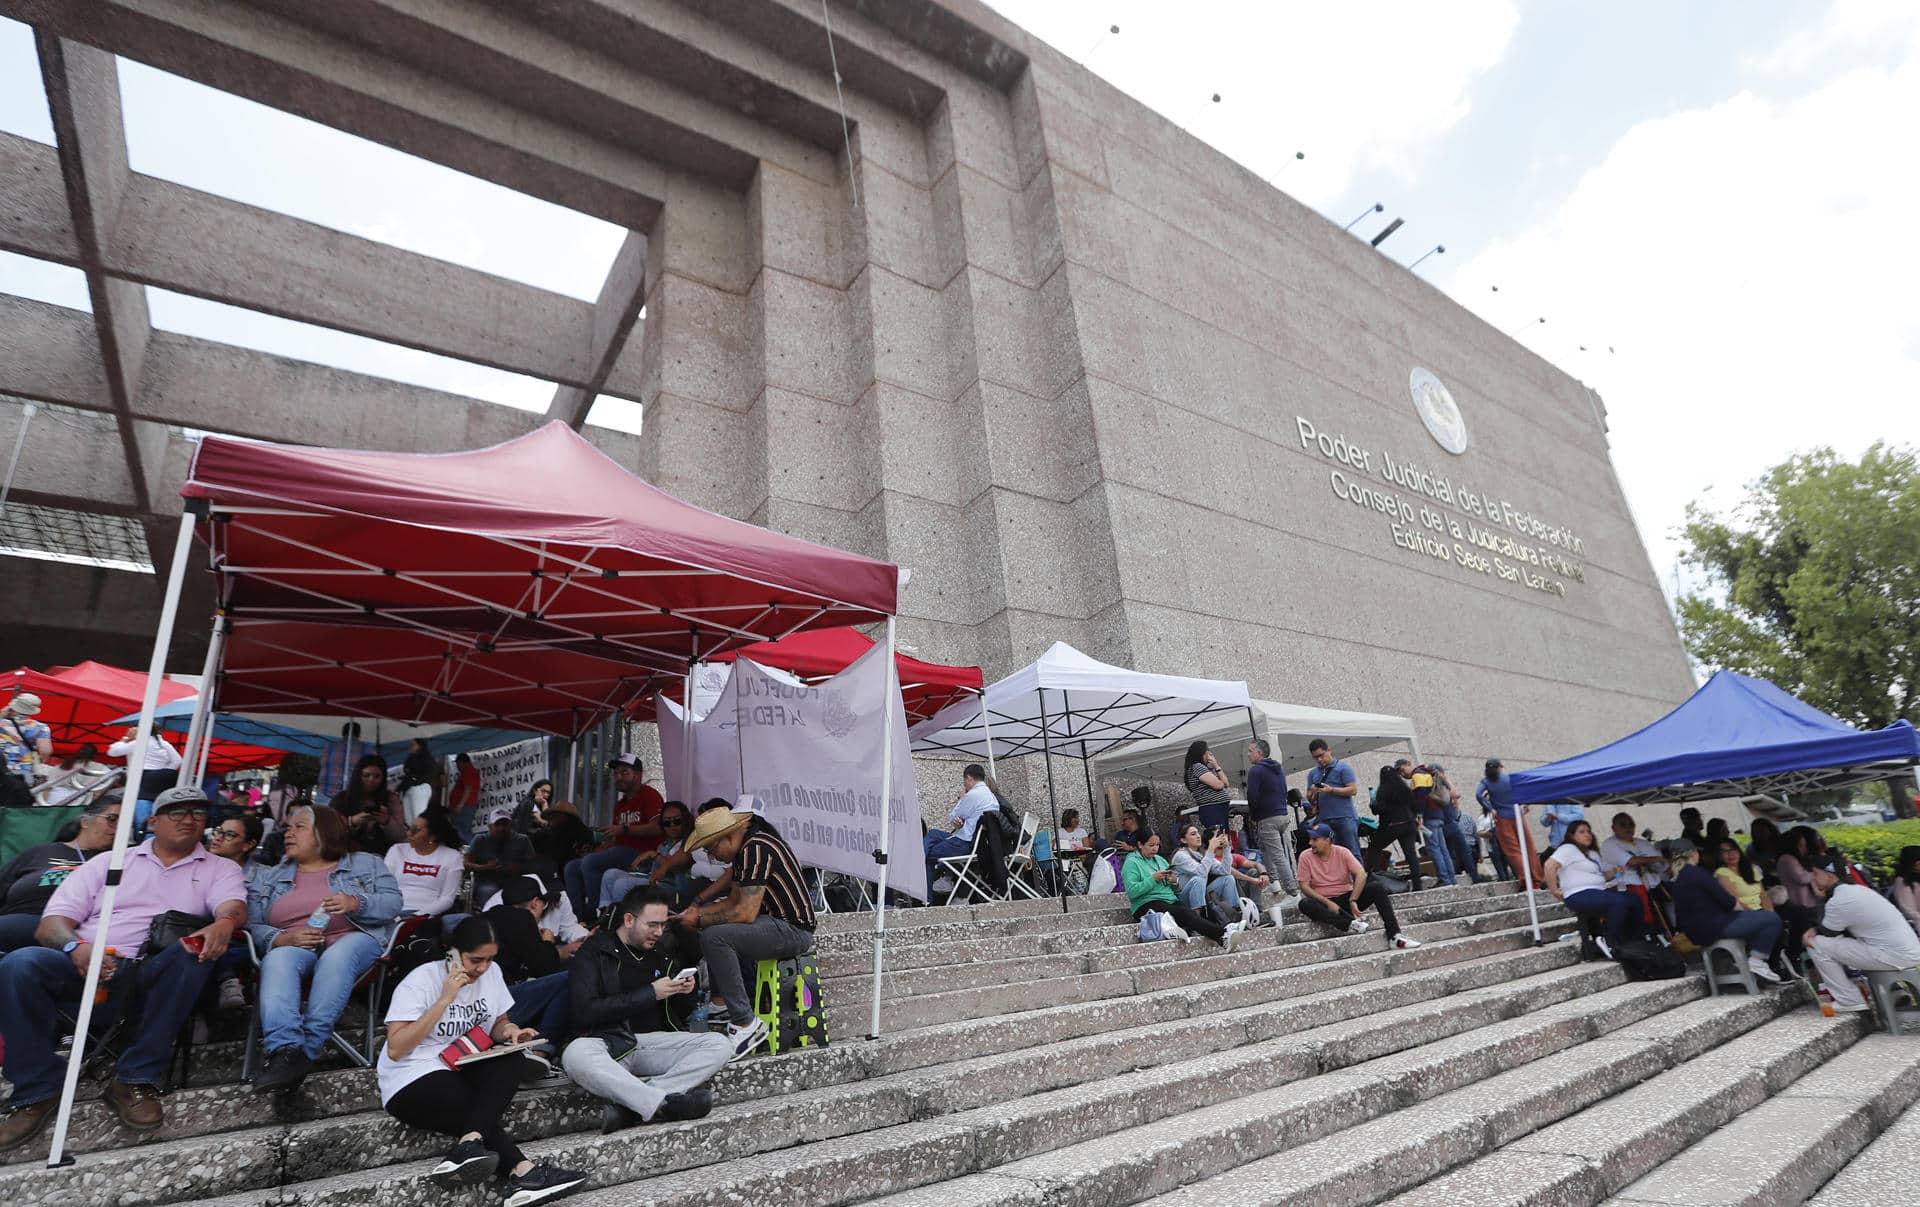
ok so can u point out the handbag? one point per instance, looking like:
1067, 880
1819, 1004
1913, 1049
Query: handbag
169, 928
475, 1040
1153, 926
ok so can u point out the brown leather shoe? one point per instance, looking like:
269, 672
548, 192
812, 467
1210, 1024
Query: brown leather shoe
137, 1105
23, 1123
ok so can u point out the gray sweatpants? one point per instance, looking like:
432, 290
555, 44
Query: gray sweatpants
1275, 836
661, 1063
732, 951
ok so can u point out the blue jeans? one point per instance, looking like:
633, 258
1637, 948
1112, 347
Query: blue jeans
941, 845
1346, 832
16, 931
35, 980
583, 875
334, 971
1616, 907
1213, 817
1760, 928
1438, 852
1224, 890
463, 823
544, 1004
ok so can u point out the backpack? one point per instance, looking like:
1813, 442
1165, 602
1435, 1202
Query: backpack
1009, 819
1644, 961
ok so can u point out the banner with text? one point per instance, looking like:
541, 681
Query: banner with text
507, 774
812, 753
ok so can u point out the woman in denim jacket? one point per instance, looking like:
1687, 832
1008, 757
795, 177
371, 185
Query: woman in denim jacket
359, 898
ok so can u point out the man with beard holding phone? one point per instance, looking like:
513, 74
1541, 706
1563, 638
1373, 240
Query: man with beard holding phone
626, 1053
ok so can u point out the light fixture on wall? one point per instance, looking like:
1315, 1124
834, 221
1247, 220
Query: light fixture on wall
1438, 249
1375, 208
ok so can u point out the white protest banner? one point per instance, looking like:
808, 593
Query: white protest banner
716, 740
508, 773
813, 754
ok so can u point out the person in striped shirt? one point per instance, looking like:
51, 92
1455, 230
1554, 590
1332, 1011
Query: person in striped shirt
767, 915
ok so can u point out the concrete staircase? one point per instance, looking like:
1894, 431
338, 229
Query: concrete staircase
1035, 1056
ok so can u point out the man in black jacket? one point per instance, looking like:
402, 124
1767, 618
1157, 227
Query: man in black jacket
626, 1053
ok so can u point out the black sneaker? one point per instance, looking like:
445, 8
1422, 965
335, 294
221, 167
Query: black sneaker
285, 1070
677, 1108
467, 1163
617, 1118
541, 1184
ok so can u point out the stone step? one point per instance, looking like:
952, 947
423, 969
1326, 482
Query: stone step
951, 927
1096, 1143
1446, 1125
1883, 1172
1591, 1154
933, 915
357, 1141
1786, 1148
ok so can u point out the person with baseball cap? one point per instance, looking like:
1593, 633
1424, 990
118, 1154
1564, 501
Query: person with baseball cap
633, 836
767, 915
1858, 929
169, 872
1334, 888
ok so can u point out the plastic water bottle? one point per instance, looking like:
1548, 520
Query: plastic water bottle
319, 918
698, 1021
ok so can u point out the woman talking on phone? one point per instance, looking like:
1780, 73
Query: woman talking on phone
439, 1005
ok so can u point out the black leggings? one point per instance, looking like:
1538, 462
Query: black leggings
454, 1102
1192, 923
1379, 854
1372, 896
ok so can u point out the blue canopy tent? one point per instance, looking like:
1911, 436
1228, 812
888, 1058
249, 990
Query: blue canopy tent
1735, 736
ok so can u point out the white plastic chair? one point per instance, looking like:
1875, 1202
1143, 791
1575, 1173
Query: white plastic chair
1021, 860
960, 867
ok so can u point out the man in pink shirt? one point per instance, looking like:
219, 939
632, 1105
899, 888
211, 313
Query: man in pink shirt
1334, 888
170, 871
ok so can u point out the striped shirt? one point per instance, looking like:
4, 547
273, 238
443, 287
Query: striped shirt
766, 861
1201, 793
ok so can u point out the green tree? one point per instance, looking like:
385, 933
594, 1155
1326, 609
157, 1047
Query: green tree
1815, 585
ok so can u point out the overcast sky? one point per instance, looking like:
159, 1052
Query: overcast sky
1716, 190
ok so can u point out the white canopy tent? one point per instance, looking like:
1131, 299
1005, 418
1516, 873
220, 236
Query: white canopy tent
1287, 727
1070, 704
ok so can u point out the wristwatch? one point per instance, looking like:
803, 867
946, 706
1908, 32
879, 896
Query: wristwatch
66, 949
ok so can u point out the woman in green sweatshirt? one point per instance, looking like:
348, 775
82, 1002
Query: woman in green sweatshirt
1149, 884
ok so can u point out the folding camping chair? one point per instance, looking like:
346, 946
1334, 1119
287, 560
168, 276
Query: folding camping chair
1020, 862
373, 980
960, 867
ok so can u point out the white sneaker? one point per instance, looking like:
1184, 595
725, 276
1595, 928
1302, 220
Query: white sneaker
747, 1036
1358, 927
1233, 931
1278, 914
1759, 968
1403, 942
1249, 914
1851, 1008
1602, 945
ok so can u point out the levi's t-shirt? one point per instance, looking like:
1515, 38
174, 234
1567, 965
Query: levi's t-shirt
479, 1004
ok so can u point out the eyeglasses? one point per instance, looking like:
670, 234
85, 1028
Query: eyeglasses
673, 821
236, 835
112, 819
182, 811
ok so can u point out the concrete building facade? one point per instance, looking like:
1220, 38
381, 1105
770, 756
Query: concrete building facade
1091, 379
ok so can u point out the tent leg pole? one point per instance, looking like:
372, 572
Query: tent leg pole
202, 722
886, 828
129, 793
1046, 752
1526, 870
686, 741
986, 724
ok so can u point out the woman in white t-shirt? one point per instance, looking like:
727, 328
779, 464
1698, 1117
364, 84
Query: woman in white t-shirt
1574, 875
428, 864
435, 1006
1074, 849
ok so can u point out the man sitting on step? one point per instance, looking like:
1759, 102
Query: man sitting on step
1334, 889
169, 872
1858, 929
767, 915
627, 1053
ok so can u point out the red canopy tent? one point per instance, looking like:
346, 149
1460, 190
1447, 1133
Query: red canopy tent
81, 703
535, 583
926, 687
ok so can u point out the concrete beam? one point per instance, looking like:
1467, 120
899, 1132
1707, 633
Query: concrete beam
83, 95
622, 295
619, 92
34, 219
235, 46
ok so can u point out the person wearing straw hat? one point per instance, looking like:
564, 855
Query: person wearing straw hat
767, 915
25, 743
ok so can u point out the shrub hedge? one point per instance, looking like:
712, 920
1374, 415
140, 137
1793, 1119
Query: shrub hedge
1874, 847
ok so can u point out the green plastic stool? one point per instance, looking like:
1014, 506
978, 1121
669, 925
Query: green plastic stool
786, 996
